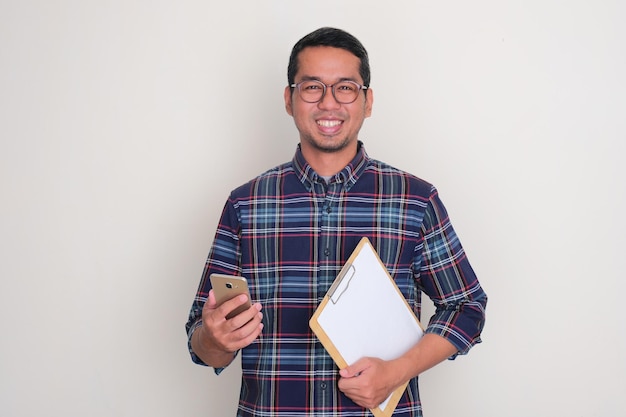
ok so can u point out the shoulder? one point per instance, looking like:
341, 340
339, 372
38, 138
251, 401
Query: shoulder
267, 181
410, 183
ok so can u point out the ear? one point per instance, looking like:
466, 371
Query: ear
287, 95
369, 102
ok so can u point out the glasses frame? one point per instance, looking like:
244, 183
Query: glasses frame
332, 90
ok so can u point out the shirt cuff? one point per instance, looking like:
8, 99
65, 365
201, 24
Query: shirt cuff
195, 358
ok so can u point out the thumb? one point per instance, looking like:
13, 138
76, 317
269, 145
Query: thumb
353, 370
211, 302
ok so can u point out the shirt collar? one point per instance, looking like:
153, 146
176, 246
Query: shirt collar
348, 176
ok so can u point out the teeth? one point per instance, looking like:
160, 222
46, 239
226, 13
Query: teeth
328, 123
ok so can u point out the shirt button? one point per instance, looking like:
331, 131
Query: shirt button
323, 385
327, 252
329, 209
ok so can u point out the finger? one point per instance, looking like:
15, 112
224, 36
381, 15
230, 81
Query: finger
252, 328
231, 306
234, 334
211, 302
252, 314
249, 338
242, 336
355, 369
359, 392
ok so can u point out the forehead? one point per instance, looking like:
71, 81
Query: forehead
328, 63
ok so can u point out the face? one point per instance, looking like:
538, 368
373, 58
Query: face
328, 126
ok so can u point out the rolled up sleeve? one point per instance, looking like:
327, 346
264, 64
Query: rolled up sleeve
447, 277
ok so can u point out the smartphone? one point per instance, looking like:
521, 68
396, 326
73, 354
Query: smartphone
226, 287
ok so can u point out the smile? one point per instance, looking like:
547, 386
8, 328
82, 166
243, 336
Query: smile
329, 123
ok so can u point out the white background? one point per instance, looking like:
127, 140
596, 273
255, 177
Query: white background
124, 125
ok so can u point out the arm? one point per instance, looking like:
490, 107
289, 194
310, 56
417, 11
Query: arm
369, 381
445, 275
212, 339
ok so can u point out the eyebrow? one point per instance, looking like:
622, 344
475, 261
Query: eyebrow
314, 78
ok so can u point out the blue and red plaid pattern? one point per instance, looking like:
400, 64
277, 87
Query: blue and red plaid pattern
289, 232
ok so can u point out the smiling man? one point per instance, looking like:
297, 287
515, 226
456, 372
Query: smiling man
290, 230
327, 110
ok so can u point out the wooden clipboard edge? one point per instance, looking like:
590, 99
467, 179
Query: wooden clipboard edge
323, 337
393, 402
314, 324
332, 349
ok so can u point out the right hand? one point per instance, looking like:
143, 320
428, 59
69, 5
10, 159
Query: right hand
230, 335
220, 337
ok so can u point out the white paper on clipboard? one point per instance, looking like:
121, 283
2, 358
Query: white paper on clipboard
365, 314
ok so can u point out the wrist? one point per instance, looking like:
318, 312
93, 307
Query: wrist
207, 351
403, 370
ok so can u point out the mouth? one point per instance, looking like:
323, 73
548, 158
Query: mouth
329, 127
329, 123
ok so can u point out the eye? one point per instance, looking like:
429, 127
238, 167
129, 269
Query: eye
311, 86
346, 87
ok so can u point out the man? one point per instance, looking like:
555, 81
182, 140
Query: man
290, 230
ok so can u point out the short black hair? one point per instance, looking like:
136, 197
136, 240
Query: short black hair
335, 38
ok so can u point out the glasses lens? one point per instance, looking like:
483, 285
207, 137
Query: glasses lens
311, 91
346, 92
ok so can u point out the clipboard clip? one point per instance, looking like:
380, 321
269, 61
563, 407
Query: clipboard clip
342, 282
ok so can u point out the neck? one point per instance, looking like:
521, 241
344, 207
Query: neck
330, 162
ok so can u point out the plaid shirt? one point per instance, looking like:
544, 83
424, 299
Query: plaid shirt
289, 233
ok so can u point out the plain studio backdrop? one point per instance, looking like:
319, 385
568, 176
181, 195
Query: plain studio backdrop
125, 124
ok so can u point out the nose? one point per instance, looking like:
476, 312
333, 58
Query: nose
328, 101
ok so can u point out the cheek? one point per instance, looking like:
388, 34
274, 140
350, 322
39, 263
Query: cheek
301, 111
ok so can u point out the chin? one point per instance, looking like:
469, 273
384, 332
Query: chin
330, 145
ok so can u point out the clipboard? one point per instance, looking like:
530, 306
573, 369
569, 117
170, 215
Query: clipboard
365, 314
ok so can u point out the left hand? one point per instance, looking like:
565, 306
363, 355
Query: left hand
368, 382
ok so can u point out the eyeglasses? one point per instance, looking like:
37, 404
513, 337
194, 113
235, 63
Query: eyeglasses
313, 91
